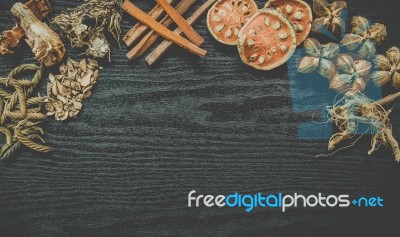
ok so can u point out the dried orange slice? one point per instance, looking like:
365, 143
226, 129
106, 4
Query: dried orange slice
226, 17
299, 14
267, 40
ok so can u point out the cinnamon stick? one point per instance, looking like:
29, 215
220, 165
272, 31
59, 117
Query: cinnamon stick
151, 37
137, 30
141, 16
157, 53
181, 23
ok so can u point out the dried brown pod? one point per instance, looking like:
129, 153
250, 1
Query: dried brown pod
11, 38
65, 92
267, 40
387, 68
319, 57
353, 75
364, 37
329, 17
226, 17
45, 43
299, 14
85, 25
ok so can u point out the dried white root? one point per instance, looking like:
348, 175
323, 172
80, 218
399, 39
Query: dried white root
45, 43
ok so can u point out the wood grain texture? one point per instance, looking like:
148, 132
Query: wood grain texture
149, 135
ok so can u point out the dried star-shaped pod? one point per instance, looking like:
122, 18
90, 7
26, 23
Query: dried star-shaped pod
319, 58
364, 37
352, 75
67, 90
388, 68
329, 17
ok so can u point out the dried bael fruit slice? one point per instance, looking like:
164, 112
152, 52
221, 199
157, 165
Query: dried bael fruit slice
226, 17
298, 12
267, 40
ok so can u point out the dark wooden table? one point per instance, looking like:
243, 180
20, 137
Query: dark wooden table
149, 135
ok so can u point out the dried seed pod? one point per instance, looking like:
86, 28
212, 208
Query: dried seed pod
299, 14
226, 17
319, 58
45, 43
364, 37
352, 75
387, 68
330, 17
259, 43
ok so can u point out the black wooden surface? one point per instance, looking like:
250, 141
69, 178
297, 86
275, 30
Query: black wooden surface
148, 136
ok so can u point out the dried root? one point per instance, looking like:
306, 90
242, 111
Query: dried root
20, 114
11, 38
356, 109
45, 43
104, 16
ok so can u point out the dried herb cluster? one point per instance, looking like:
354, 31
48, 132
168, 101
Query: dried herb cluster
20, 111
86, 24
65, 92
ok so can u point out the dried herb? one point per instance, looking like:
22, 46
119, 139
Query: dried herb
86, 24
11, 38
387, 68
45, 43
20, 111
329, 17
364, 37
319, 57
352, 74
65, 92
354, 110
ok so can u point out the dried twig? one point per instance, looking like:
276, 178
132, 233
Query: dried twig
160, 29
166, 44
187, 30
152, 36
138, 29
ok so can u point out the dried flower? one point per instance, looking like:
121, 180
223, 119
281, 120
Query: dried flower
319, 58
76, 25
364, 37
66, 91
388, 68
352, 75
329, 16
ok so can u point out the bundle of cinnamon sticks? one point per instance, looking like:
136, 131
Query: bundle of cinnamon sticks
155, 23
